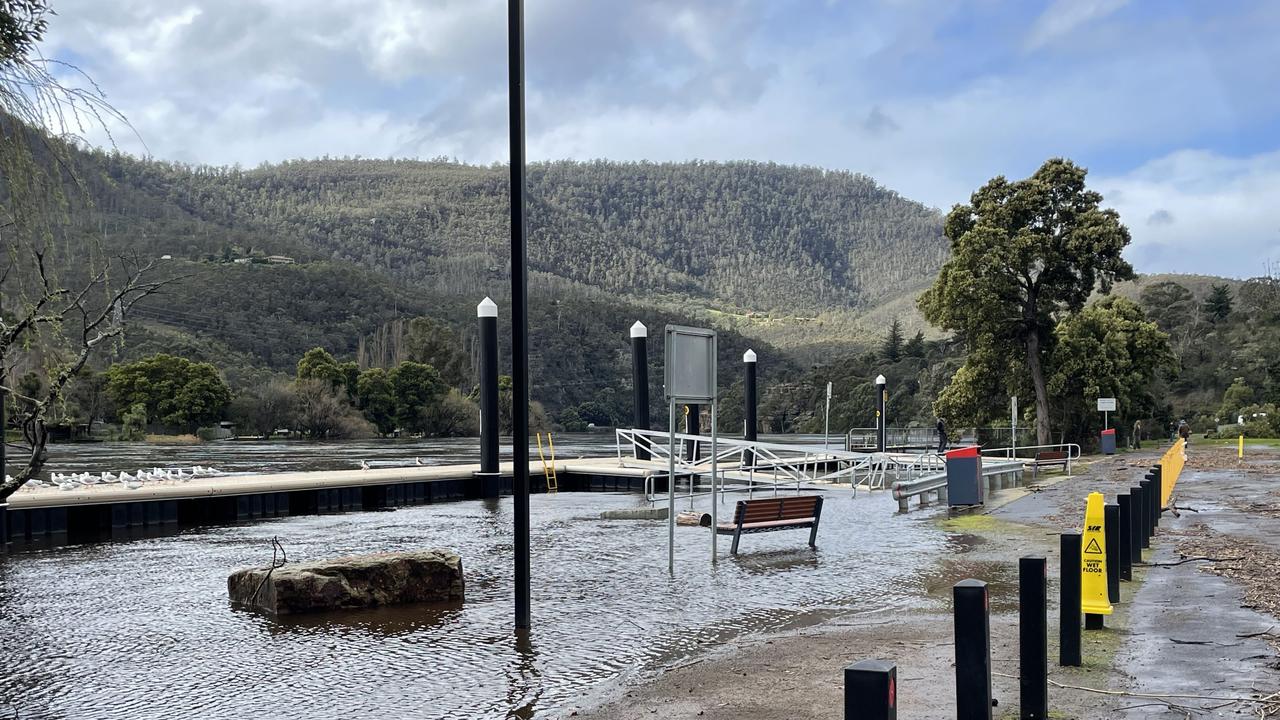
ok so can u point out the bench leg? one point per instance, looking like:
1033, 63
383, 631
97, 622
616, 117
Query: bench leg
736, 535
813, 536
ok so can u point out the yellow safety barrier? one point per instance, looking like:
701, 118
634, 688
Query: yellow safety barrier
1170, 469
1093, 559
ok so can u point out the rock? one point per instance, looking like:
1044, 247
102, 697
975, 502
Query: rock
635, 514
351, 582
692, 517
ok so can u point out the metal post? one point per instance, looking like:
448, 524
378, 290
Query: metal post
881, 430
1124, 540
826, 422
871, 690
1069, 601
1033, 638
487, 312
671, 490
1013, 426
1157, 497
1111, 526
519, 310
749, 391
714, 472
973, 650
1145, 535
1135, 524
640, 383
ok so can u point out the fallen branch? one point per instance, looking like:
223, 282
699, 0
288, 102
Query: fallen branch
1194, 559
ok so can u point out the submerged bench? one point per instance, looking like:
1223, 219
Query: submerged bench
768, 515
1047, 458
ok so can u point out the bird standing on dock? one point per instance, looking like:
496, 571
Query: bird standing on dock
364, 465
417, 461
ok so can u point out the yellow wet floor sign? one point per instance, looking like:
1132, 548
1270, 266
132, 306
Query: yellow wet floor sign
1093, 559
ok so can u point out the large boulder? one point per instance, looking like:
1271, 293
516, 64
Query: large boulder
350, 582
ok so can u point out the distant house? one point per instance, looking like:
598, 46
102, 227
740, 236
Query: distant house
166, 257
280, 260
242, 261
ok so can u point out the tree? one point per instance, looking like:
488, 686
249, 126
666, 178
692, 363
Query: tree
324, 412
454, 416
265, 409
377, 399
1237, 396
1168, 303
1218, 305
319, 364
891, 349
1021, 253
431, 342
416, 387
915, 346
62, 307
174, 390
1108, 349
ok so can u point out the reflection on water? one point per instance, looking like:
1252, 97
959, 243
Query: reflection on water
143, 629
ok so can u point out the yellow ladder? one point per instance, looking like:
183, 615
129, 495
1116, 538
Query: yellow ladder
549, 471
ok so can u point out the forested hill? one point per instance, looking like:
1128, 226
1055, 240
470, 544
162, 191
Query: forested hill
739, 237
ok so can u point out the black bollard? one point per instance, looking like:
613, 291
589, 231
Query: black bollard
1145, 535
1157, 501
1135, 526
973, 650
1111, 526
693, 427
487, 312
1125, 536
640, 384
749, 431
1033, 638
1069, 601
871, 690
881, 420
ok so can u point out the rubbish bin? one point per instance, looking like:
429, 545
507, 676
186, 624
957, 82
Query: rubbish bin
1108, 441
964, 476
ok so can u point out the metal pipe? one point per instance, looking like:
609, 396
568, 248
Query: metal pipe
640, 382
487, 312
714, 470
749, 392
671, 493
881, 420
519, 311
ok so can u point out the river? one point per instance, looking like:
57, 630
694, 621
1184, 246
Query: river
143, 629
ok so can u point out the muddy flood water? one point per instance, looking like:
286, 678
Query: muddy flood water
143, 629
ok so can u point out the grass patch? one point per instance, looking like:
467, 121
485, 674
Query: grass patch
1234, 442
970, 523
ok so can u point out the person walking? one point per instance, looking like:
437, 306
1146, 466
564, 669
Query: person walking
942, 437
1137, 434
1184, 432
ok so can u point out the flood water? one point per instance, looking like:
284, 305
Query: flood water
143, 629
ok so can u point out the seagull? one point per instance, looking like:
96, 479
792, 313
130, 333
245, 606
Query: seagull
109, 478
417, 461
364, 465
68, 486
58, 477
133, 485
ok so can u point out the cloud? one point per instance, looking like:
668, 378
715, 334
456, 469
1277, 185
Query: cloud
931, 100
1227, 224
1064, 16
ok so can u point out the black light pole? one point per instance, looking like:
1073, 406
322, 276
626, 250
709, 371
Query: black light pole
519, 310
749, 433
640, 384
487, 312
880, 414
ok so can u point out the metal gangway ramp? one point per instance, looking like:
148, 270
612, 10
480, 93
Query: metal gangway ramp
752, 466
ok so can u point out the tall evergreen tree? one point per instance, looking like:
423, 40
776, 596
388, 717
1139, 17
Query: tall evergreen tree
891, 349
1218, 305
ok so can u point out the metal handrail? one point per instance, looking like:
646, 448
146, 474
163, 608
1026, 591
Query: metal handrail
1073, 450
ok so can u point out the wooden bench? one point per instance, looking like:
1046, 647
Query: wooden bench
1047, 458
768, 515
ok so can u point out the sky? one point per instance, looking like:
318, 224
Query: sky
1172, 105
